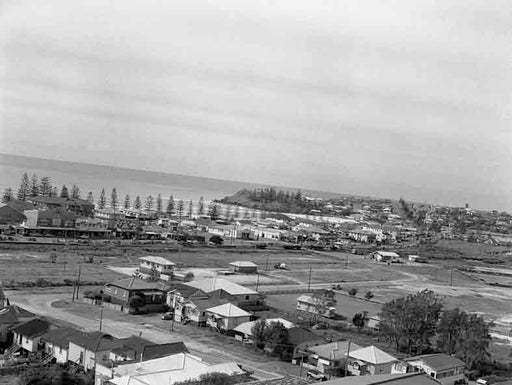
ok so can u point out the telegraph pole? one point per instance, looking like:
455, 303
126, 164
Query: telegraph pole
309, 279
78, 280
101, 317
257, 282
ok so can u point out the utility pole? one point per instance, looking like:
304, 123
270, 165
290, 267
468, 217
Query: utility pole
309, 279
101, 317
346, 263
257, 282
348, 352
451, 276
266, 263
78, 280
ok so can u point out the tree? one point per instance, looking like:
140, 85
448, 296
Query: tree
24, 189
149, 203
170, 206
179, 209
136, 302
75, 192
113, 199
127, 202
360, 320
213, 378
137, 204
45, 186
34, 186
258, 332
276, 337
90, 197
188, 277
410, 322
368, 296
154, 274
8, 195
200, 207
352, 292
55, 192
213, 211
52, 375
102, 202
236, 213
464, 335
159, 203
64, 193
190, 212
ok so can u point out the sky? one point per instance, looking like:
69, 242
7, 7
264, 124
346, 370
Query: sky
375, 97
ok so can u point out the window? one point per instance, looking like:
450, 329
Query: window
247, 298
204, 313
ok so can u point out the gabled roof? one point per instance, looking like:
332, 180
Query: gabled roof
243, 264
334, 350
31, 328
208, 285
372, 355
157, 260
228, 310
207, 303
439, 361
391, 254
134, 347
7, 316
298, 336
95, 341
60, 336
50, 213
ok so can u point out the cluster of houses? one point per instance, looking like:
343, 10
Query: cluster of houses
115, 361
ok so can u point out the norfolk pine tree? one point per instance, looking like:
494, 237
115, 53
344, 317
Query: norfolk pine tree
113, 199
127, 202
159, 203
137, 204
45, 186
34, 186
102, 201
90, 197
170, 206
24, 189
64, 193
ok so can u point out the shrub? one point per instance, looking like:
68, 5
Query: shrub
352, 292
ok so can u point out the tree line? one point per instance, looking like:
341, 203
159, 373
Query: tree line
34, 186
418, 324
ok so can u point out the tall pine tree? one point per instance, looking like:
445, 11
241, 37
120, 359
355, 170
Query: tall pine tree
45, 186
90, 197
170, 206
64, 193
149, 203
200, 207
102, 201
34, 186
24, 189
75, 192
127, 202
137, 204
113, 199
159, 203
8, 195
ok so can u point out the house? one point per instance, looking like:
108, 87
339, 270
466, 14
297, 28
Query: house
91, 227
362, 236
28, 334
56, 343
182, 367
136, 348
268, 233
160, 267
373, 322
194, 309
227, 231
245, 267
369, 361
243, 332
387, 379
385, 256
300, 339
90, 349
122, 290
241, 296
11, 216
446, 369
329, 359
315, 305
226, 317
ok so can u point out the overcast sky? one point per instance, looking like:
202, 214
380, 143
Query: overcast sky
386, 98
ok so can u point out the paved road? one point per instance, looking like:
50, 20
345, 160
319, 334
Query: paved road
87, 317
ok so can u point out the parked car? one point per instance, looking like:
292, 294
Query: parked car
317, 375
168, 316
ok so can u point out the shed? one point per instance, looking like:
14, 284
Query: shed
245, 267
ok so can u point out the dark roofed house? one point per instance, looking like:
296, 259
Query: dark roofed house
11, 216
136, 348
28, 333
387, 379
87, 349
152, 293
302, 338
56, 342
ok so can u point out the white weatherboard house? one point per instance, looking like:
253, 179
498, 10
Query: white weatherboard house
226, 316
28, 334
237, 293
329, 358
246, 267
163, 267
385, 256
370, 361
314, 305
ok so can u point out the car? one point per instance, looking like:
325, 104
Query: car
168, 316
315, 375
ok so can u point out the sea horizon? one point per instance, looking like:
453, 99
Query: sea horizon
95, 177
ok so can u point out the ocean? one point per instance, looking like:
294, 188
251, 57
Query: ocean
89, 177
94, 178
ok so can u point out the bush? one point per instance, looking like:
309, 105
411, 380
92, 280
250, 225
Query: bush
368, 296
352, 292
188, 277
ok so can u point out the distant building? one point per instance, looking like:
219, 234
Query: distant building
385, 256
315, 305
28, 333
226, 317
446, 369
330, 358
163, 268
122, 290
78, 206
369, 361
245, 267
